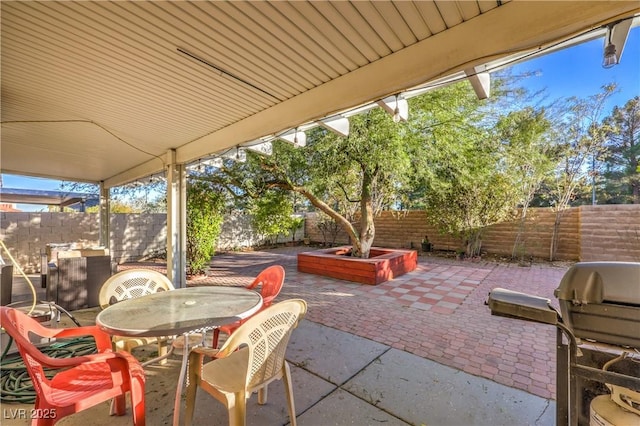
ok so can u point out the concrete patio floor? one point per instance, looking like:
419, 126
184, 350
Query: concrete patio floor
422, 349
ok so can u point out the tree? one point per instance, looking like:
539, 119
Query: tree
205, 204
272, 215
465, 187
579, 139
622, 156
142, 196
524, 139
115, 207
340, 176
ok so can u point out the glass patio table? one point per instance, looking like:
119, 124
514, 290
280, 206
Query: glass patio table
181, 311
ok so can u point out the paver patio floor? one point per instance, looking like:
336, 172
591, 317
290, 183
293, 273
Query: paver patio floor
436, 312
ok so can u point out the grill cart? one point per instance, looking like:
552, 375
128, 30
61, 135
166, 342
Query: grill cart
598, 336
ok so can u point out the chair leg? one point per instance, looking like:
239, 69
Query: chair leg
137, 400
237, 406
190, 403
118, 406
263, 393
288, 388
195, 363
162, 350
216, 335
44, 421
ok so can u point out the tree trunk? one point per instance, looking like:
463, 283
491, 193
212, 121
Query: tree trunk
517, 249
362, 247
554, 236
324, 207
361, 242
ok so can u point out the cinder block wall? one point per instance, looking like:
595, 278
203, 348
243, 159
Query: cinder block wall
610, 232
133, 236
586, 233
535, 235
137, 236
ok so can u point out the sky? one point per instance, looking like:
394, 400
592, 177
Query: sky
578, 71
575, 71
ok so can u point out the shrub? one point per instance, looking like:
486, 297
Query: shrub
204, 221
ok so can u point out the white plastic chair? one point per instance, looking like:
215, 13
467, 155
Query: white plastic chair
251, 358
130, 284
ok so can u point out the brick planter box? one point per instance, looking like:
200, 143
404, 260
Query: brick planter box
383, 264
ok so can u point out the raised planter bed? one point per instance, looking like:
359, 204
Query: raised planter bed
382, 265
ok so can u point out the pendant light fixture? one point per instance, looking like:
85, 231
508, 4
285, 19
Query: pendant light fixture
610, 59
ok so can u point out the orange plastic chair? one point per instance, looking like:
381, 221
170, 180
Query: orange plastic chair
248, 361
271, 279
83, 381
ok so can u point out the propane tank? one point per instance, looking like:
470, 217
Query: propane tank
618, 409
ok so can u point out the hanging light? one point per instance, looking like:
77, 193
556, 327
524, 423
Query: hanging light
241, 155
396, 112
610, 59
396, 106
298, 138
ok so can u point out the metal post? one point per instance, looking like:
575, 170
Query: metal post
593, 180
176, 221
562, 381
105, 214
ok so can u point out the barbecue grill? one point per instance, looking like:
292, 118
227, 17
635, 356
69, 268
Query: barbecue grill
600, 320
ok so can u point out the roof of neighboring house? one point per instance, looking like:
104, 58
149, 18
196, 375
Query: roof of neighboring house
50, 198
8, 207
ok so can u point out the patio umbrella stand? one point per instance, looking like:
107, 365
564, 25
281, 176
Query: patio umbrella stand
597, 339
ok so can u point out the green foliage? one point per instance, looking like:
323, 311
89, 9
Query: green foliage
525, 145
579, 139
272, 215
341, 176
466, 186
469, 163
296, 223
204, 220
328, 228
621, 159
115, 207
143, 196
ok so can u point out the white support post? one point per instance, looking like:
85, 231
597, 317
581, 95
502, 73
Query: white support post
480, 81
176, 222
105, 215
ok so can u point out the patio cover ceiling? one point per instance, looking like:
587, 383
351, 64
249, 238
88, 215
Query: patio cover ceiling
104, 91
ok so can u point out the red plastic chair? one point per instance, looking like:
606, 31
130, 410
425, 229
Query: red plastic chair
83, 381
271, 279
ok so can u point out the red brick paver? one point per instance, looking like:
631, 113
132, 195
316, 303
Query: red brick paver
436, 312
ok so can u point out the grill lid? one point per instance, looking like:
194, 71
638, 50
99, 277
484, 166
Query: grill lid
601, 282
600, 301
